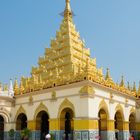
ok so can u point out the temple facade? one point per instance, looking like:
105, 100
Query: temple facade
68, 96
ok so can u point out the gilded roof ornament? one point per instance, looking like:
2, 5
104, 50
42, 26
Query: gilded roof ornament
128, 86
5, 87
107, 74
21, 86
134, 87
16, 87
122, 82
138, 93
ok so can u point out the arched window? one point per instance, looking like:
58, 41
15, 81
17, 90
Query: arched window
66, 122
42, 124
21, 122
1, 128
118, 125
102, 124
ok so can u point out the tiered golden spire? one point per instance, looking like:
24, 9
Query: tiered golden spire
66, 61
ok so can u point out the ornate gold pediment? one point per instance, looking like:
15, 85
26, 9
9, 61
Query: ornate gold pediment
19, 111
87, 90
40, 108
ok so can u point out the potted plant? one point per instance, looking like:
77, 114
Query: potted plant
11, 133
25, 133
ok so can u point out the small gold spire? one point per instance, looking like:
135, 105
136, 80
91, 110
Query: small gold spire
122, 82
134, 87
67, 12
68, 5
128, 86
138, 93
16, 87
21, 86
107, 74
5, 87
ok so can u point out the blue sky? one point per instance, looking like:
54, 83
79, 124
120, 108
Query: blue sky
111, 29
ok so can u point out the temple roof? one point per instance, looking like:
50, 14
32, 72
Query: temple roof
66, 61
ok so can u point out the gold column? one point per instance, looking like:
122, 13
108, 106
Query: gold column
126, 125
85, 124
31, 125
110, 125
54, 124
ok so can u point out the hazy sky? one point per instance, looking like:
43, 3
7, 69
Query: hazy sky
111, 29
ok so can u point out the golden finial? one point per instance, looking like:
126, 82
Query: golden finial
67, 11
107, 74
5, 87
128, 86
21, 86
16, 87
68, 5
134, 87
122, 82
138, 93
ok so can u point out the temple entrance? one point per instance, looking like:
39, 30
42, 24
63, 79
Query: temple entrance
66, 123
42, 124
102, 124
1, 128
21, 122
132, 124
118, 126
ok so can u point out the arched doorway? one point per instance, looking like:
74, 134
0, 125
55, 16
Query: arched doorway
66, 122
132, 124
21, 122
102, 124
118, 125
42, 124
1, 128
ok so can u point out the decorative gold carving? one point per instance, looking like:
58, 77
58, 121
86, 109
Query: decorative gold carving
40, 108
19, 111
53, 96
30, 100
111, 98
103, 106
87, 91
65, 104
126, 103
